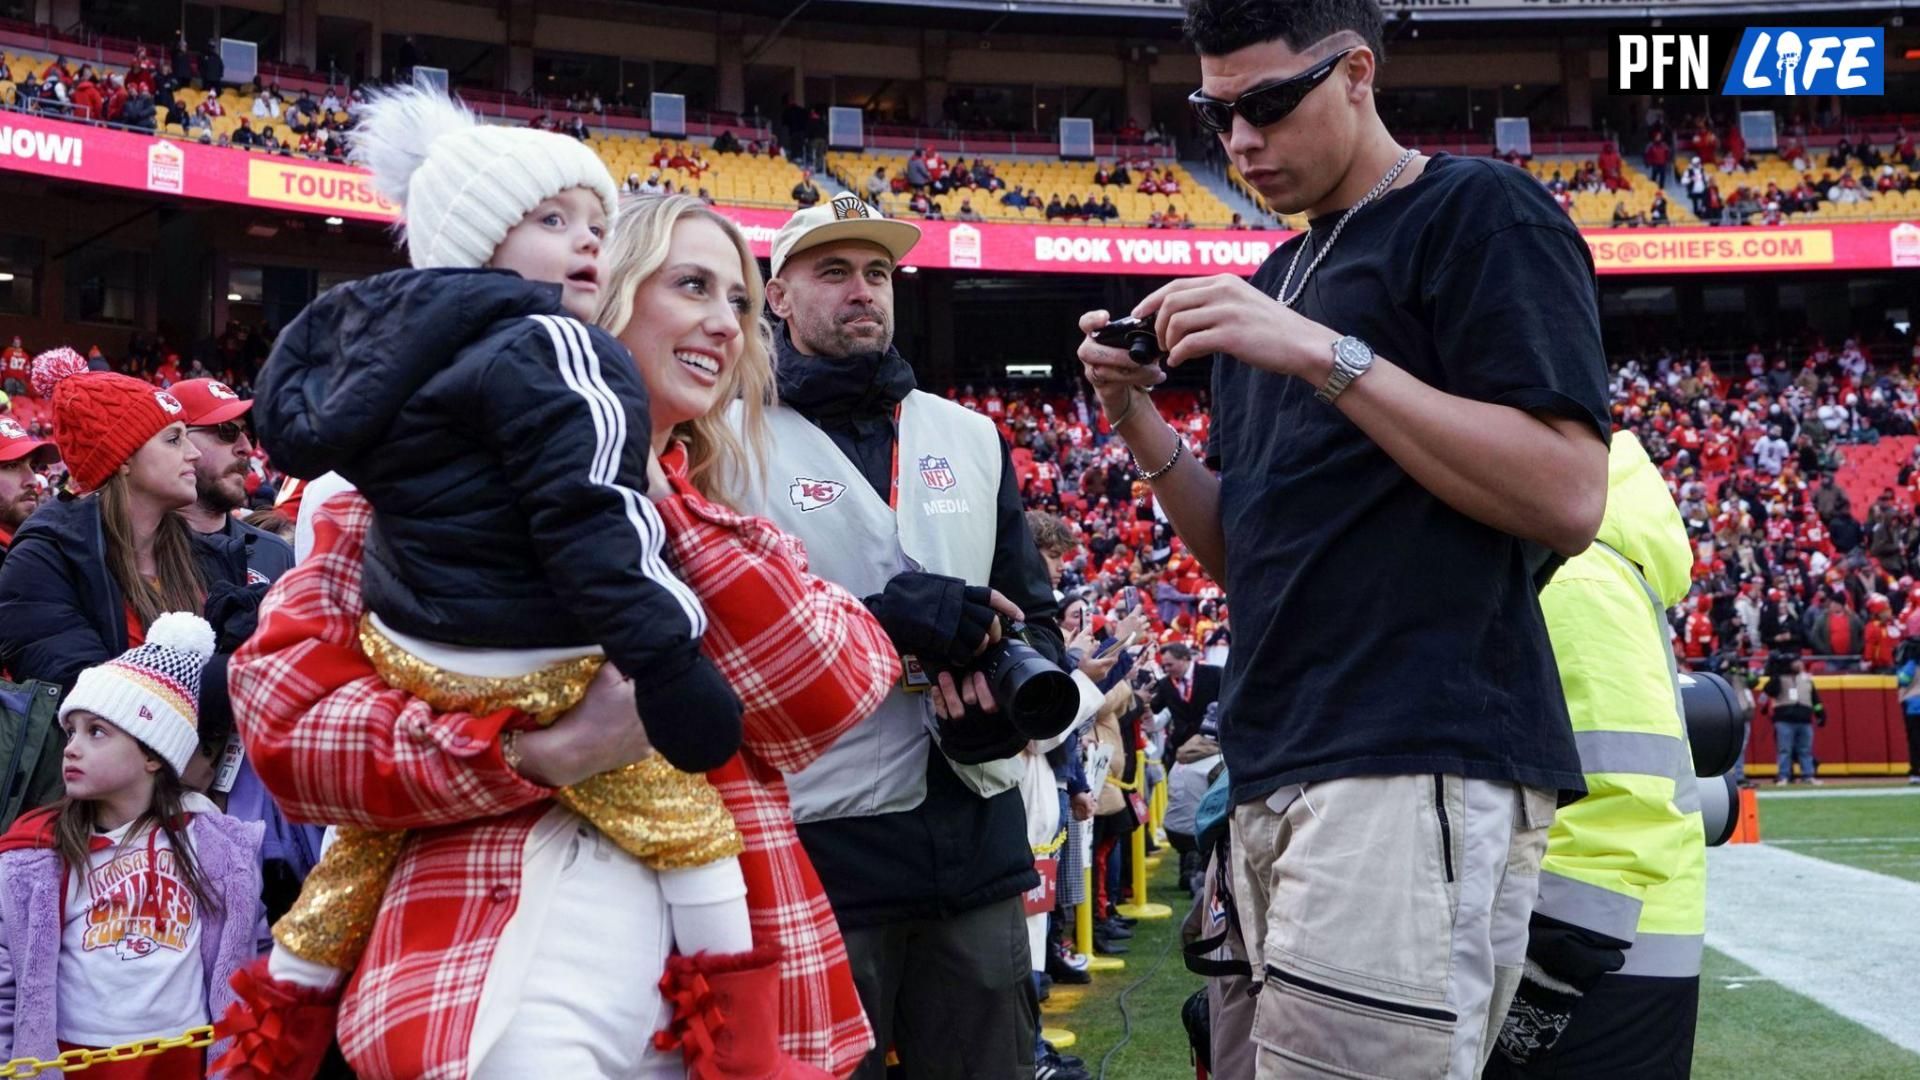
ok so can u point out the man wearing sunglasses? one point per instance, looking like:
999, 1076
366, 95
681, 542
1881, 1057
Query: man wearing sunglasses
1410, 424
216, 422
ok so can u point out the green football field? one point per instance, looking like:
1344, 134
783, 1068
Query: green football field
1751, 1026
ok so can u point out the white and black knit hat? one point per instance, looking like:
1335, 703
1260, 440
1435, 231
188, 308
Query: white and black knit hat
152, 691
462, 185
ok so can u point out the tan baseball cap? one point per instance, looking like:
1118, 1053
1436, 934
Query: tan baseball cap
846, 217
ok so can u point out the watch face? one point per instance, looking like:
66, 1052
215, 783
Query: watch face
1352, 350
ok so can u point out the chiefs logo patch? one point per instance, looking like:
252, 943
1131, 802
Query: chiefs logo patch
10, 429
255, 577
168, 402
222, 390
809, 494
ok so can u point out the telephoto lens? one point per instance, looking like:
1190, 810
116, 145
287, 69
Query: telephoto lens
1715, 722
1038, 698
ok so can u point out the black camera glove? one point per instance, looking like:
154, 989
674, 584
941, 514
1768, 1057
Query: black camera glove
939, 619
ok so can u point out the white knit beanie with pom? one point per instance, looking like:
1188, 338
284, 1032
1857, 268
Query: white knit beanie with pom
152, 691
462, 185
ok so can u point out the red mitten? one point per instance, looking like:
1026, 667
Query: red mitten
726, 1017
280, 1030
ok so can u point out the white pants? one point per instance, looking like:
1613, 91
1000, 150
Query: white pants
573, 989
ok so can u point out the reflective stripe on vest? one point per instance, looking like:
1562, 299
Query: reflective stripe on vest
1679, 767
1665, 956
1642, 753
1590, 907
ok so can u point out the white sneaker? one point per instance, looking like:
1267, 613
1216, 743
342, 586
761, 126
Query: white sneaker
1814, 780
1779, 781
1913, 781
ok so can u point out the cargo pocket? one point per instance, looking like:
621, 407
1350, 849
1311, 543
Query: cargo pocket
1351, 1033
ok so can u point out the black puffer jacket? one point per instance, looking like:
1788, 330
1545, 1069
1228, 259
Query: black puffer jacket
61, 612
503, 446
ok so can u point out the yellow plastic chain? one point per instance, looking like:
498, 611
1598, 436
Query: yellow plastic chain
1140, 756
1047, 849
79, 1060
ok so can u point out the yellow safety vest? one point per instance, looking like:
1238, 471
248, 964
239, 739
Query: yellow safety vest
1629, 859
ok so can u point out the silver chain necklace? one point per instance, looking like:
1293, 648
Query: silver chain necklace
1379, 189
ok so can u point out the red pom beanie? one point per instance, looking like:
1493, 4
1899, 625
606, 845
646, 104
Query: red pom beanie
100, 419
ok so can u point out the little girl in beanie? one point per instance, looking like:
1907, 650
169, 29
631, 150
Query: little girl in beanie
502, 442
127, 907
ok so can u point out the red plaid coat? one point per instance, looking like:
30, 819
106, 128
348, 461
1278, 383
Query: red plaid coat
334, 744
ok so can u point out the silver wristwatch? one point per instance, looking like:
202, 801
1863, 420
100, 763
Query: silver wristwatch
1352, 358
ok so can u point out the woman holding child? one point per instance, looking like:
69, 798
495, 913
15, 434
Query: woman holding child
489, 957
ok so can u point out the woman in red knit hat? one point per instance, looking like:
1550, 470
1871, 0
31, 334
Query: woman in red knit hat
90, 571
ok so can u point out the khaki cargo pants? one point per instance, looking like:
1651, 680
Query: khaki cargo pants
1390, 916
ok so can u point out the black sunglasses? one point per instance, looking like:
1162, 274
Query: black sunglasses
228, 433
1266, 105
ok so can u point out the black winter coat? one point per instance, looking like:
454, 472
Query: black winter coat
61, 611
504, 448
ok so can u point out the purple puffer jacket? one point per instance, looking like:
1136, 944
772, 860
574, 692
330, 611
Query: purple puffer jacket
229, 855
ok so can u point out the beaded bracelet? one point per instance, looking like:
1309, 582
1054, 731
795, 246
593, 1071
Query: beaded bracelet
1179, 449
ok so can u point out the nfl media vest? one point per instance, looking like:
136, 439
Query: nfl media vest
942, 521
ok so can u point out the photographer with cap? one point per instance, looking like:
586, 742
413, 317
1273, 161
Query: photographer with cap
1410, 424
913, 819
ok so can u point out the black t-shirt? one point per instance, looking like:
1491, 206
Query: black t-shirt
1378, 631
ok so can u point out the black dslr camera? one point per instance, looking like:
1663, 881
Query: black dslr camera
1037, 699
1133, 335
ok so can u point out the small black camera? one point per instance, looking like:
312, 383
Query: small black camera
1134, 335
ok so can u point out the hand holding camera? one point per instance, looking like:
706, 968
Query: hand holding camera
1135, 335
1010, 677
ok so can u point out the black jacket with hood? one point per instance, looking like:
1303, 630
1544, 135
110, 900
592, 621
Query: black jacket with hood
955, 851
504, 447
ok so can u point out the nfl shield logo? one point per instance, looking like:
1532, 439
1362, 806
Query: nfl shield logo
936, 473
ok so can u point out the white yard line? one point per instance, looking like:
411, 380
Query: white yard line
1801, 791
1833, 933
1814, 842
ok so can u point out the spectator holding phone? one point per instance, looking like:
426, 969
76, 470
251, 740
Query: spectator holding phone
1410, 424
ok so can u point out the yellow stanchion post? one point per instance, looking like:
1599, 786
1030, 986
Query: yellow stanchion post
1083, 933
1151, 800
1142, 908
1159, 807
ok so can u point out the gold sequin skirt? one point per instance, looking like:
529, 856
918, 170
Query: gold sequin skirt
667, 819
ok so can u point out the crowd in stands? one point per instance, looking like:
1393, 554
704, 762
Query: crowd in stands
1785, 559
1847, 174
926, 176
1068, 466
150, 96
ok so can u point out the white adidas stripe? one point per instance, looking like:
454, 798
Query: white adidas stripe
579, 366
564, 350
